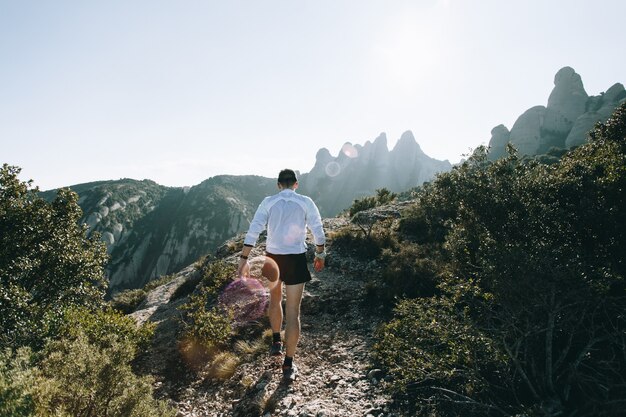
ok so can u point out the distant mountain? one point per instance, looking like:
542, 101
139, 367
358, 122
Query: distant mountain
563, 123
357, 171
152, 230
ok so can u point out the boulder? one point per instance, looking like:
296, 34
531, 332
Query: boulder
500, 136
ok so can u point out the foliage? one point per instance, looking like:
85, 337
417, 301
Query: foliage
16, 380
98, 381
87, 372
409, 272
127, 301
383, 196
46, 261
432, 349
368, 245
532, 282
207, 324
98, 325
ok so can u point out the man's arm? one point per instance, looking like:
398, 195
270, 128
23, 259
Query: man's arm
256, 227
314, 221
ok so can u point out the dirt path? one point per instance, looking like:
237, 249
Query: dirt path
336, 376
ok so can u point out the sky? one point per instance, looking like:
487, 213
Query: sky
180, 91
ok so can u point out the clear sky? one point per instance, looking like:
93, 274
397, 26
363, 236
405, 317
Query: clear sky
180, 91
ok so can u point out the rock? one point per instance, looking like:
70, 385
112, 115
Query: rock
375, 374
578, 134
568, 98
500, 136
526, 132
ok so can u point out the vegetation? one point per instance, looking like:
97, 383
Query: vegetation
208, 325
63, 352
516, 297
383, 196
46, 261
127, 301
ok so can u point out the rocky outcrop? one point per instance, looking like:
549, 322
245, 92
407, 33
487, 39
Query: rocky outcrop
563, 123
500, 136
358, 171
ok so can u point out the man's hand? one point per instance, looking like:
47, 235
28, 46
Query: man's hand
318, 264
244, 269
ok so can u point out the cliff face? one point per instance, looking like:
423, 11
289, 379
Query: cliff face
570, 113
151, 230
357, 171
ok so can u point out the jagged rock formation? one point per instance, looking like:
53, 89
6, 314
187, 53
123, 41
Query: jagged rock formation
563, 123
357, 171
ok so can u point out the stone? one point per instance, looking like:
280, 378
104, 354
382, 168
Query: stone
526, 132
500, 136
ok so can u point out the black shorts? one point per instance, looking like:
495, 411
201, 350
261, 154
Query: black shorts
293, 268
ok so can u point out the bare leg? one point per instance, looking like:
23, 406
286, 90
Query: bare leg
292, 325
275, 311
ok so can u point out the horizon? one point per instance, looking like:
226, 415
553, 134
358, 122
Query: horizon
178, 94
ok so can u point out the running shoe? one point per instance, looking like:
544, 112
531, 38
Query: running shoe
276, 349
290, 373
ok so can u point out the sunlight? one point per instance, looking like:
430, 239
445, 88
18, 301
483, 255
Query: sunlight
409, 48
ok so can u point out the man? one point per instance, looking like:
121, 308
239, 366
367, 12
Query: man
286, 216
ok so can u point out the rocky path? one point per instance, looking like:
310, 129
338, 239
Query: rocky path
336, 375
336, 378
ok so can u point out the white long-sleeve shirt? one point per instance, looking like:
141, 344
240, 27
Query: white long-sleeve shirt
286, 216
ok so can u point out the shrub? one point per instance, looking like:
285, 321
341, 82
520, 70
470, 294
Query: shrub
99, 325
17, 376
206, 325
409, 273
98, 381
127, 301
46, 261
536, 258
438, 360
383, 196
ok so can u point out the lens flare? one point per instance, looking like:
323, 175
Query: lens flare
333, 169
246, 298
349, 150
265, 270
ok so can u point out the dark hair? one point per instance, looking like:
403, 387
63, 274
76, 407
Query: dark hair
287, 178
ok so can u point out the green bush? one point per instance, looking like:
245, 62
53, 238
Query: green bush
439, 361
17, 376
205, 323
534, 258
97, 381
127, 301
409, 273
46, 261
99, 325
366, 245
383, 196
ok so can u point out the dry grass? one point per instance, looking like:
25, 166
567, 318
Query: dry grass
243, 347
223, 366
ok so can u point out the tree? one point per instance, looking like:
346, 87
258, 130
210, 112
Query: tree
536, 259
47, 262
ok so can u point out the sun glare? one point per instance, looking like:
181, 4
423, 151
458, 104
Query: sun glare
409, 49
